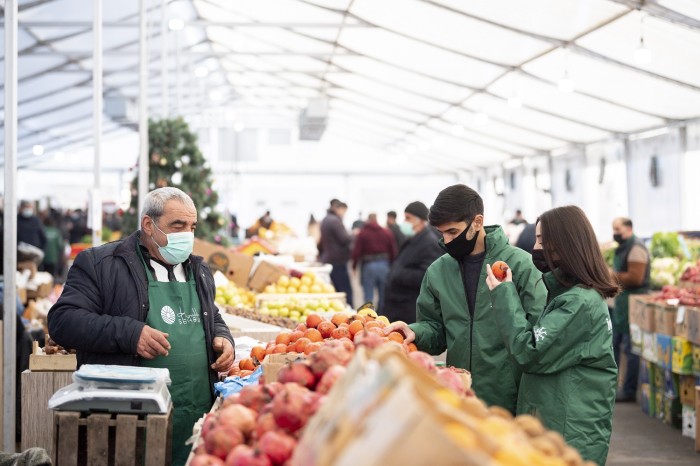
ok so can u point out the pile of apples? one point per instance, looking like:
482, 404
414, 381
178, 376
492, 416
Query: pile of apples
298, 309
308, 336
261, 425
308, 282
234, 296
692, 273
685, 296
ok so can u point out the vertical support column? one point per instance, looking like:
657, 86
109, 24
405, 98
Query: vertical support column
143, 107
164, 58
9, 367
178, 77
96, 198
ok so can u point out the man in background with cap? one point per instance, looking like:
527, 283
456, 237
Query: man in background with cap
420, 249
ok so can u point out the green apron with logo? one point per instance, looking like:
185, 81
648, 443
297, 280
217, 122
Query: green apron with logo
174, 308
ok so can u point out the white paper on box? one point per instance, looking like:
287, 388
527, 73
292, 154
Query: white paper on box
688, 422
680, 316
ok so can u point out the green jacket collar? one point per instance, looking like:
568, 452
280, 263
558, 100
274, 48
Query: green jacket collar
554, 288
495, 240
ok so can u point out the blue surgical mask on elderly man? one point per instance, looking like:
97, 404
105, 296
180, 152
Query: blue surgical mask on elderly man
179, 246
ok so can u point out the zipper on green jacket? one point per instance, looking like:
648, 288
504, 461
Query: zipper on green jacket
470, 311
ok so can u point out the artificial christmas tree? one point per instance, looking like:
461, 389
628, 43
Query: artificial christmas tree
175, 160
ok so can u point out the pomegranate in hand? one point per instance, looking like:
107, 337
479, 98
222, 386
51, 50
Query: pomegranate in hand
500, 270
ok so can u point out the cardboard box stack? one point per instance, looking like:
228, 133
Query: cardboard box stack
667, 336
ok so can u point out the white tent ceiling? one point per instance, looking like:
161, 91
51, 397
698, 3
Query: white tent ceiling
438, 78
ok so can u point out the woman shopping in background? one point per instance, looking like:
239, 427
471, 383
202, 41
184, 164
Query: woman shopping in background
569, 372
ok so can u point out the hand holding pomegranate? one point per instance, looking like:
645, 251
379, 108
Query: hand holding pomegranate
403, 329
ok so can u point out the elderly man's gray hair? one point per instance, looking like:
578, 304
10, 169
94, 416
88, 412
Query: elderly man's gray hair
155, 201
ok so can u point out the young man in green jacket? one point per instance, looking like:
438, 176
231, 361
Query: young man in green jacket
453, 311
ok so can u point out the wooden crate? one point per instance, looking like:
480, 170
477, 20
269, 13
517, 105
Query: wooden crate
37, 419
102, 439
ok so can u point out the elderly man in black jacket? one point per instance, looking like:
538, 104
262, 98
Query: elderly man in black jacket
146, 300
407, 271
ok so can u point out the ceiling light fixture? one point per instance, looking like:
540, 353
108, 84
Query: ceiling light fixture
566, 84
38, 149
216, 95
642, 55
176, 24
457, 130
201, 71
481, 118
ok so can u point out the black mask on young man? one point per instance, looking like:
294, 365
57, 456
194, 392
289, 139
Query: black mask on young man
460, 246
539, 261
618, 238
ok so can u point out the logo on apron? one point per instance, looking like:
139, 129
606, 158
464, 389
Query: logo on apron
168, 315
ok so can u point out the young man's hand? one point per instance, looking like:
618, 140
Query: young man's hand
403, 329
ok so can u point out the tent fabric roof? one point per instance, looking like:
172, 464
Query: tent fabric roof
422, 77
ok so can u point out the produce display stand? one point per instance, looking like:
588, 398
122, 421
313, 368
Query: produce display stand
46, 375
102, 439
666, 334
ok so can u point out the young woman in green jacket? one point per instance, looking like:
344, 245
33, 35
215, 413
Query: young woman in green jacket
569, 372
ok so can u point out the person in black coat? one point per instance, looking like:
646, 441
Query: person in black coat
103, 309
29, 227
407, 271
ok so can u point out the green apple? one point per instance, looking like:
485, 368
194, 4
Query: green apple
264, 311
283, 281
295, 315
274, 312
284, 312
306, 312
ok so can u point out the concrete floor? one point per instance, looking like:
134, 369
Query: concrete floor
638, 439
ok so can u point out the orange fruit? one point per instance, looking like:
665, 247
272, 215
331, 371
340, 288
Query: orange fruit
283, 338
258, 352
280, 348
313, 335
356, 326
372, 324
312, 320
296, 334
499, 270
395, 336
312, 348
339, 318
340, 332
326, 328
355, 317
246, 365
412, 347
301, 344
301, 327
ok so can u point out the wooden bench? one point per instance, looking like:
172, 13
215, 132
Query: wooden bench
104, 439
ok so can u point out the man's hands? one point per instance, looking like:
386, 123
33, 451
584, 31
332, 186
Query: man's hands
491, 280
225, 360
152, 343
403, 329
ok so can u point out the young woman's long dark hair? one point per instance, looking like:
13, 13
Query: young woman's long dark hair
570, 245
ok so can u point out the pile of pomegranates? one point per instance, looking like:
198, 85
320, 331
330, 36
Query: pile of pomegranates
260, 425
